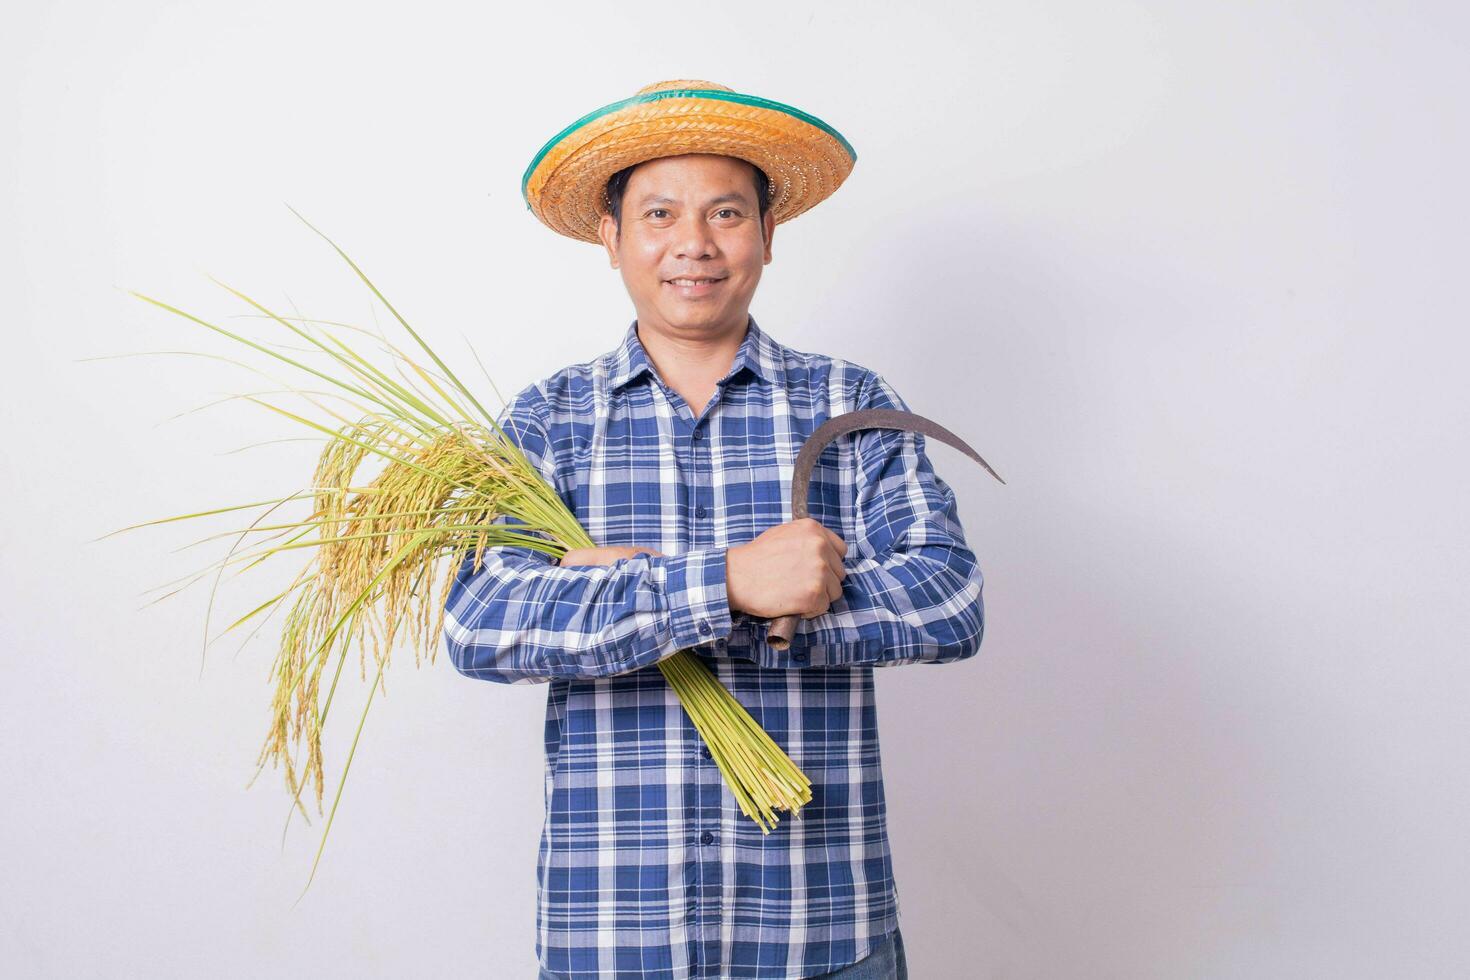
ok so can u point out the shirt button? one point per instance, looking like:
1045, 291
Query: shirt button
706, 838
798, 655
704, 628
699, 511
704, 751
698, 433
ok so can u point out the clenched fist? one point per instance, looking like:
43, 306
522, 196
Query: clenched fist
791, 569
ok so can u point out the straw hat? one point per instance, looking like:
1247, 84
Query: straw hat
805, 159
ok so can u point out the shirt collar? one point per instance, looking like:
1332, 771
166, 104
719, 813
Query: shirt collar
758, 353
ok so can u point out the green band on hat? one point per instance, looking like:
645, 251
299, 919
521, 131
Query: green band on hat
680, 93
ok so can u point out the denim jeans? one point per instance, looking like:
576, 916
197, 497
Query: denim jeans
884, 962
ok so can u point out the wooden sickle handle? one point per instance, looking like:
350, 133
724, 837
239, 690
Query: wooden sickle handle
781, 631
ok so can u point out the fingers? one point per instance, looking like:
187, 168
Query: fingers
573, 558
832, 577
835, 552
832, 536
835, 542
839, 572
605, 555
824, 602
834, 562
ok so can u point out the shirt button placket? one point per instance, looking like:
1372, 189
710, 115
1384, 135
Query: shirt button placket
696, 446
702, 535
703, 814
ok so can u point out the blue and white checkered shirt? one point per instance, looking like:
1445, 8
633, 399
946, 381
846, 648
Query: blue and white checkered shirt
647, 867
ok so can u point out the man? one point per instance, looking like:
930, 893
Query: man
675, 451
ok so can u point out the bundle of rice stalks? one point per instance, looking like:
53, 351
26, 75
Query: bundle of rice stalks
448, 482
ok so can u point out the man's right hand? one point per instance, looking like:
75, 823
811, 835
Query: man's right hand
791, 569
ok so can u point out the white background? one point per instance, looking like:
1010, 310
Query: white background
1191, 276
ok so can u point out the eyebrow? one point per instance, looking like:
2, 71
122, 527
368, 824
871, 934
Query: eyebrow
722, 199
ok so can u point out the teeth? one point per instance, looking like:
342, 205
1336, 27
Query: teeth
691, 282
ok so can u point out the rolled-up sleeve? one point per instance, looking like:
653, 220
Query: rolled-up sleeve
913, 590
522, 619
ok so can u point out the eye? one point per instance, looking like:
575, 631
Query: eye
729, 210
656, 211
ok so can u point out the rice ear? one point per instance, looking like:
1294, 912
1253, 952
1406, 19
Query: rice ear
400, 497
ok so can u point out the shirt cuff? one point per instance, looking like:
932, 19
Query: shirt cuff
751, 636
693, 585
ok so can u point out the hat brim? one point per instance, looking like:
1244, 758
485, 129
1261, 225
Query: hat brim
805, 158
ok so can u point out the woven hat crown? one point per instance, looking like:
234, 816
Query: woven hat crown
804, 159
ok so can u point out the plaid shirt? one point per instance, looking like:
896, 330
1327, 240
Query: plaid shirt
647, 868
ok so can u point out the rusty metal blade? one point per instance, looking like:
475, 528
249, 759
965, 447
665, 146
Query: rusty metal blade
783, 628
867, 418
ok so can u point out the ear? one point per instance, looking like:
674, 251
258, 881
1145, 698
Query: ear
607, 230
769, 220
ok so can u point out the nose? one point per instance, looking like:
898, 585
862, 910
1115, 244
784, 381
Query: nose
694, 239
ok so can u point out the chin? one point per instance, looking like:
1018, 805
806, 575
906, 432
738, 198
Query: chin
693, 317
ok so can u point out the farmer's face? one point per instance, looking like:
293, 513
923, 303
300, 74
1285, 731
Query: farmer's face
693, 216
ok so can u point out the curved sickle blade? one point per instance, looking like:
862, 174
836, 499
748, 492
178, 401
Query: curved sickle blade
867, 418
783, 628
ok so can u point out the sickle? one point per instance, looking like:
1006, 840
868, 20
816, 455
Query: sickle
781, 630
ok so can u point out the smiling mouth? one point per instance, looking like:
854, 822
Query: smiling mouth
694, 282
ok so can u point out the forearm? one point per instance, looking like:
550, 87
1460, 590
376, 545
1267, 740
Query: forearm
521, 619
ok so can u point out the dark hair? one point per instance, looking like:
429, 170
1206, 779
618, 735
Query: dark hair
618, 183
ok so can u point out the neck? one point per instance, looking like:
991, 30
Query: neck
693, 358
692, 364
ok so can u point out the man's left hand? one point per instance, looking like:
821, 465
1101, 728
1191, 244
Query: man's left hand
603, 556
